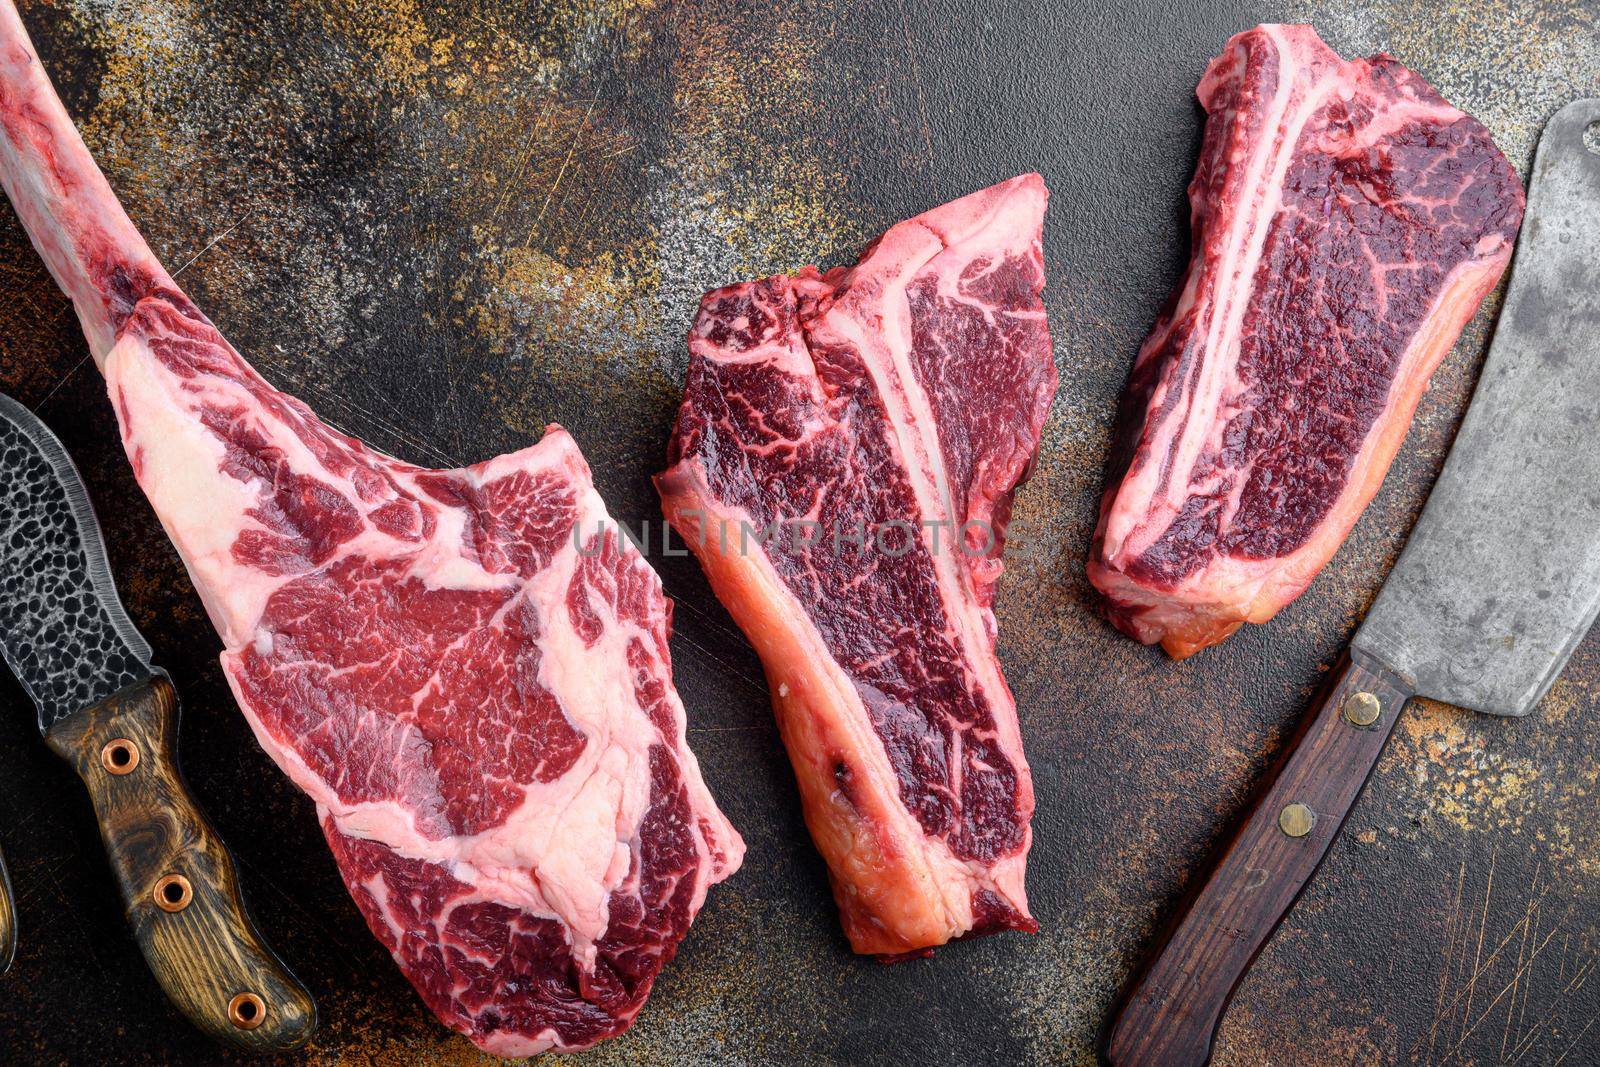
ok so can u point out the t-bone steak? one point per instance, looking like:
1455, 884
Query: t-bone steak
1347, 222
843, 466
477, 696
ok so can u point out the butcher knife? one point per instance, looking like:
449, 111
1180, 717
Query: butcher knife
1497, 584
8, 920
112, 715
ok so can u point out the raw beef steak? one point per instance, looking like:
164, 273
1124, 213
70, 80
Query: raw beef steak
477, 695
843, 467
1347, 223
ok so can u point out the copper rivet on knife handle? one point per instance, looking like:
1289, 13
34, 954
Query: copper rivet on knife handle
247, 1011
120, 756
1362, 709
173, 893
1296, 820
209, 951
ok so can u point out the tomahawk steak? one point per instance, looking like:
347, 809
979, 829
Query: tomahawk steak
467, 677
1347, 222
843, 466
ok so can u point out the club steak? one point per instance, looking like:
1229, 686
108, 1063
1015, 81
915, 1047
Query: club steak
483, 713
875, 422
1347, 222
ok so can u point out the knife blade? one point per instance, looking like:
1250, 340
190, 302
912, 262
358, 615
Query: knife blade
63, 630
110, 712
1498, 582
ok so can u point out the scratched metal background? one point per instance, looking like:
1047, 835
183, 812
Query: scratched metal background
447, 224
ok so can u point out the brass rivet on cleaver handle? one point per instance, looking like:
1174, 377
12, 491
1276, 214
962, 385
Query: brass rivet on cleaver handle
1297, 820
1362, 709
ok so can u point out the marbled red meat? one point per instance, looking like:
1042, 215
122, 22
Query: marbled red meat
1347, 223
464, 669
843, 466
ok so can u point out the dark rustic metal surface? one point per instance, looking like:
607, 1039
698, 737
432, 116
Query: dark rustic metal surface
445, 225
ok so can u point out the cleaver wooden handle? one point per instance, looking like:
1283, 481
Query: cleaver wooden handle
1170, 1013
178, 879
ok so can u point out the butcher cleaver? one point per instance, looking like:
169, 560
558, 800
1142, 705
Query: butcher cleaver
113, 716
1498, 583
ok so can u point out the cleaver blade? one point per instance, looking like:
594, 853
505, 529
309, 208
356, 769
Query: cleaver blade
1500, 578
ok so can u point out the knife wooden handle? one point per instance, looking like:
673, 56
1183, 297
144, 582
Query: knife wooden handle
1170, 1014
8, 919
178, 880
